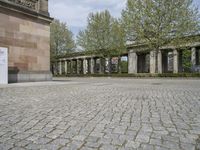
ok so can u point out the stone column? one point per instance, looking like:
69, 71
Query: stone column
71, 67
65, 66
77, 67
60, 68
193, 56
153, 62
92, 65
175, 61
43, 7
85, 66
160, 69
132, 62
109, 64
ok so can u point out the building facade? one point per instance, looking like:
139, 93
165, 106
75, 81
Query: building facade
25, 31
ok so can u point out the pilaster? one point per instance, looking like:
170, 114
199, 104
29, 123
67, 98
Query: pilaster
132, 62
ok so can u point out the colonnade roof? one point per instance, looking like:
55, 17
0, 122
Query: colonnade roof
190, 41
75, 54
83, 54
185, 42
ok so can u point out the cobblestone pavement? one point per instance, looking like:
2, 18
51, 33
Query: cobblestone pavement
101, 114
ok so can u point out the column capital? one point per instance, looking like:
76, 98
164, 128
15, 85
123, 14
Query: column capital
152, 53
193, 48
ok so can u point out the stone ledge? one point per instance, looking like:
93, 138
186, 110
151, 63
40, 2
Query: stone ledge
29, 76
137, 75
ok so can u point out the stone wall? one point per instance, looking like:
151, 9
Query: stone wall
27, 36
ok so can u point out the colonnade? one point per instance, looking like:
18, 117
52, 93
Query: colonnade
162, 61
81, 65
158, 61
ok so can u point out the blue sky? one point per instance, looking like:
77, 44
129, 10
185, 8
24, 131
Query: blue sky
75, 12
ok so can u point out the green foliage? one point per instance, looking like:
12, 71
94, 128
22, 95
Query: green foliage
103, 35
187, 60
61, 39
124, 66
161, 22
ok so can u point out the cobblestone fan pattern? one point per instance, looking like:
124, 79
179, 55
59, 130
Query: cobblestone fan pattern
101, 114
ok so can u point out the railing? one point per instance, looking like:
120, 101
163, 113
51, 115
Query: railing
31, 4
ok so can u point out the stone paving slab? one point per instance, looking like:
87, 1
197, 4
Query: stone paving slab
101, 114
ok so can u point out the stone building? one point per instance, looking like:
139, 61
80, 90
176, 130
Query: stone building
25, 31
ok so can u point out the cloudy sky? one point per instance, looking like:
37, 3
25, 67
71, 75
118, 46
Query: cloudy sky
75, 12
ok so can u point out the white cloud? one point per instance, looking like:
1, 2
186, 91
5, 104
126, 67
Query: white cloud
75, 12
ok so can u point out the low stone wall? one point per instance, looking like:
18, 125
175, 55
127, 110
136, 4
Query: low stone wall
137, 75
24, 76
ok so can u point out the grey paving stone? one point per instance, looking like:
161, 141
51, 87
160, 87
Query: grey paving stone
93, 145
6, 146
186, 146
22, 143
133, 144
147, 147
101, 113
106, 147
